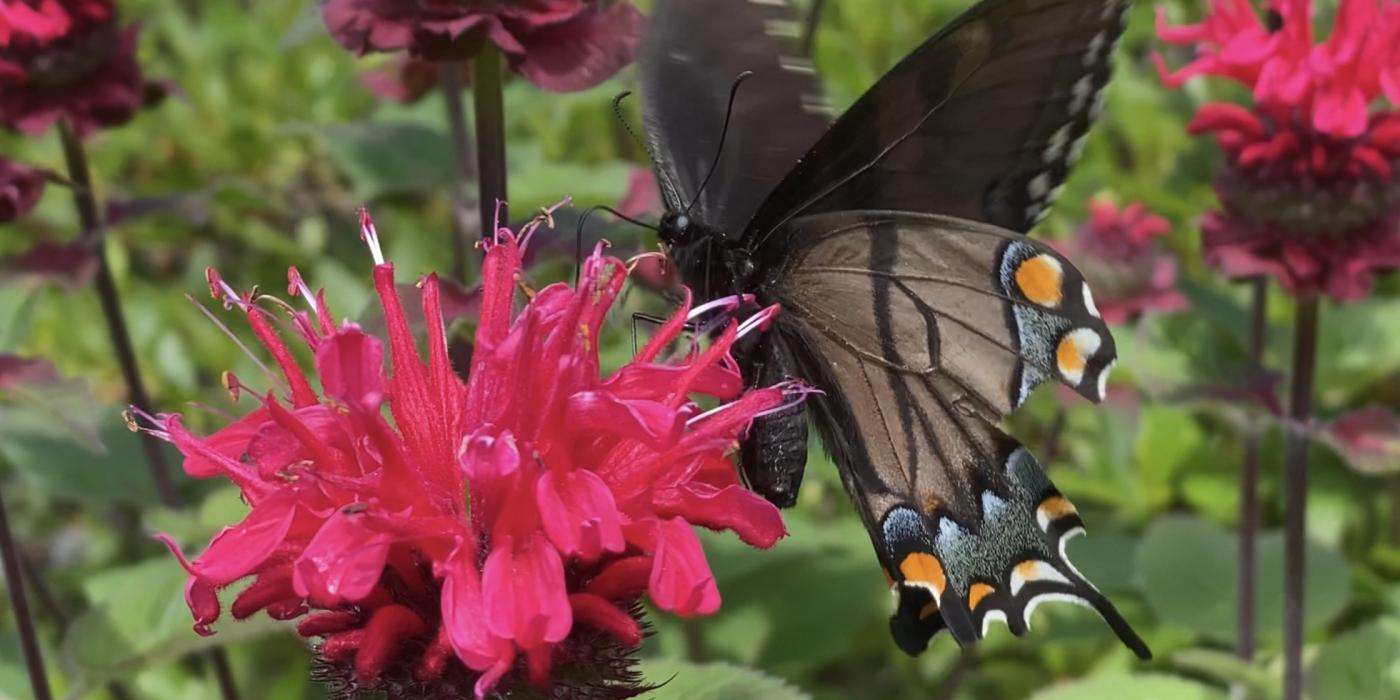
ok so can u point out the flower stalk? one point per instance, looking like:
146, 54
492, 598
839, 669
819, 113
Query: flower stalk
489, 110
93, 230
810, 25
92, 235
462, 157
1295, 493
24, 619
1249, 481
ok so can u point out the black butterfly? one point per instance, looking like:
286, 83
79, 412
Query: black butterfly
893, 241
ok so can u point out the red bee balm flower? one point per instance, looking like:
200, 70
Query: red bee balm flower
67, 59
503, 524
558, 45
1309, 193
1116, 249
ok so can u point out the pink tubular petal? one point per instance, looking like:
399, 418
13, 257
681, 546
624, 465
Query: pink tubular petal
755, 520
203, 602
578, 514
666, 333
343, 562
597, 612
351, 366
524, 594
464, 618
385, 633
237, 551
623, 579
680, 577
597, 412
302, 393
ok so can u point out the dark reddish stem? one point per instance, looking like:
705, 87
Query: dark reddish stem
1249, 480
24, 620
1296, 494
1053, 434
489, 107
957, 673
809, 29
464, 160
92, 234
51, 607
85, 200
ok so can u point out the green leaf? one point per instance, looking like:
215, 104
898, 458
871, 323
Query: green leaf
1361, 665
1188, 572
714, 681
1138, 686
389, 157
139, 617
1225, 667
46, 455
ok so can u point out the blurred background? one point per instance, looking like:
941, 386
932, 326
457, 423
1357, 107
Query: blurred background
272, 136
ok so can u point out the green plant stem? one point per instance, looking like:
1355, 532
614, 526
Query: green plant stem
1249, 481
19, 603
464, 160
489, 110
92, 235
1296, 494
809, 28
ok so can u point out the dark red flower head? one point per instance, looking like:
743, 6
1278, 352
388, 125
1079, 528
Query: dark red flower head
476, 529
67, 59
560, 45
1310, 192
20, 189
1117, 251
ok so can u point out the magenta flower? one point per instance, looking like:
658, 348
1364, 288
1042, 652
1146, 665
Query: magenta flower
1117, 251
1309, 193
68, 59
560, 45
20, 189
495, 528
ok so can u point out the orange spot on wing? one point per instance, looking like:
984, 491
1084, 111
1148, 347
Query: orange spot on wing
1070, 358
976, 594
921, 568
1057, 507
929, 610
1041, 280
1027, 569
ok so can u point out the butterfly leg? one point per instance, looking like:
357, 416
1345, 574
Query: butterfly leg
774, 456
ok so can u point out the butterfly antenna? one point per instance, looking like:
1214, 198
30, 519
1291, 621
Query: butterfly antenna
583, 221
622, 119
723, 132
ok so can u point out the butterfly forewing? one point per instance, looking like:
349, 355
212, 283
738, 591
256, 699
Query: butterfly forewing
982, 121
957, 314
693, 52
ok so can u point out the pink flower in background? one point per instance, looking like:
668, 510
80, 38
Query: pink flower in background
1118, 253
497, 527
406, 79
20, 189
1309, 193
560, 45
68, 59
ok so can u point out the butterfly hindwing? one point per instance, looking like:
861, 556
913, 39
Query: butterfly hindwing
964, 520
982, 121
694, 50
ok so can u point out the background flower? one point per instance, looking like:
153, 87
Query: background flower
1309, 193
1118, 253
560, 45
68, 59
20, 189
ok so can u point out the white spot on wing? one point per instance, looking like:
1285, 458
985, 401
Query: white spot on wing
786, 28
1058, 141
1039, 186
992, 615
1089, 302
1043, 572
1103, 379
1086, 342
796, 65
1080, 93
1091, 56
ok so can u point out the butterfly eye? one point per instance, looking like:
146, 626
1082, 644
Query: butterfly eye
682, 223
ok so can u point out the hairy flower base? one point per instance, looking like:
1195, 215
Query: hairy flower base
1342, 267
480, 530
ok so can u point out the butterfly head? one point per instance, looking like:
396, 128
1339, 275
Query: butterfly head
676, 229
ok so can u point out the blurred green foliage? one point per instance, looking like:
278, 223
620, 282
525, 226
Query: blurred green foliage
258, 162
